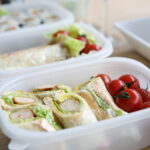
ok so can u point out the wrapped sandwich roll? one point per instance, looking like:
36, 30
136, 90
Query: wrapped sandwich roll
50, 91
34, 117
17, 99
72, 110
99, 99
33, 56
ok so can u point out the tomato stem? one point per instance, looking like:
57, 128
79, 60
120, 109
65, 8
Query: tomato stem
121, 89
124, 96
146, 87
130, 83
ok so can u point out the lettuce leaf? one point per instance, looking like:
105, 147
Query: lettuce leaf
74, 31
47, 114
8, 99
74, 46
3, 12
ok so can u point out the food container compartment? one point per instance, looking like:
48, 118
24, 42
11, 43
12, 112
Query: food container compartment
33, 39
64, 16
126, 132
138, 34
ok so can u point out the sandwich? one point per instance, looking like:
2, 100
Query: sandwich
33, 57
99, 99
47, 92
72, 110
63, 44
17, 99
34, 117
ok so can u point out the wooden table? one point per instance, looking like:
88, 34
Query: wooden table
119, 10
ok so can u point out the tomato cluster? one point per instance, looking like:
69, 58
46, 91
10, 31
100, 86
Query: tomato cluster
127, 93
88, 47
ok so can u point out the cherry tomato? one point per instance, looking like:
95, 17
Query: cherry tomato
116, 86
129, 100
82, 38
130, 80
135, 85
106, 79
90, 47
144, 94
145, 105
60, 32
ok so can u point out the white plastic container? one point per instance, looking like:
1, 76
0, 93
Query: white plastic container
63, 14
121, 133
138, 34
32, 39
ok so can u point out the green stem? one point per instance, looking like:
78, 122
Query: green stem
124, 96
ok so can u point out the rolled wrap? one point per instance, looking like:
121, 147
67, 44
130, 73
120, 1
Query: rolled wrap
47, 92
33, 57
17, 99
72, 110
34, 117
99, 99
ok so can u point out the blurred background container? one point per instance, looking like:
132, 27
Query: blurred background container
104, 13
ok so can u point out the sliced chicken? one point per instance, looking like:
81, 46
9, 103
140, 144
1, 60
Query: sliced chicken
70, 105
38, 125
10, 108
24, 113
45, 87
23, 100
47, 100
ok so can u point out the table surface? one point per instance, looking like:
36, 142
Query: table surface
123, 50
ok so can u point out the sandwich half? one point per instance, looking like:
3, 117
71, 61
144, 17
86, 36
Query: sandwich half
99, 99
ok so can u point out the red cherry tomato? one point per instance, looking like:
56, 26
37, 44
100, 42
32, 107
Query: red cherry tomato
144, 94
145, 105
82, 38
129, 100
135, 85
90, 47
116, 86
106, 79
130, 80
60, 32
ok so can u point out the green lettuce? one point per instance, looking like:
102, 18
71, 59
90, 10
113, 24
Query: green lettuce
3, 12
118, 112
70, 42
47, 114
75, 31
74, 46
99, 101
91, 39
8, 98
